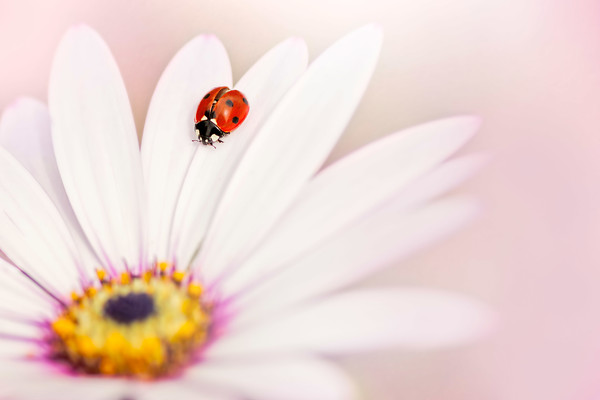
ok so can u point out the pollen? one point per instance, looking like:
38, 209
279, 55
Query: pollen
195, 290
125, 278
140, 326
178, 276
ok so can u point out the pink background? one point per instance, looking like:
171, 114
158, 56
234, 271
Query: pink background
530, 68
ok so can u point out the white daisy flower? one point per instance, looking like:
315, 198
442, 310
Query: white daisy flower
184, 271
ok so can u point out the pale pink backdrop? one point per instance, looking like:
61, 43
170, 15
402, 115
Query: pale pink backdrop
530, 68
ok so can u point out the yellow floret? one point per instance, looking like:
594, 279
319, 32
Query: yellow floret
195, 289
101, 274
64, 327
186, 330
147, 276
115, 343
85, 346
178, 276
152, 350
163, 266
125, 278
107, 367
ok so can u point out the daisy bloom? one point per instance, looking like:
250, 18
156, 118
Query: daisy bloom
191, 272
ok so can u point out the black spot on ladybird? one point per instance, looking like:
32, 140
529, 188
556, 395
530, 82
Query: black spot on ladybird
245, 101
229, 103
207, 95
235, 120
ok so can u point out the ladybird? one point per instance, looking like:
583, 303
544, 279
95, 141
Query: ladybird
220, 111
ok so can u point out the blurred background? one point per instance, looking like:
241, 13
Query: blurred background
530, 68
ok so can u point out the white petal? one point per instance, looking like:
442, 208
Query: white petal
290, 148
20, 297
375, 242
32, 232
19, 329
295, 378
365, 320
167, 147
25, 133
442, 179
352, 188
181, 388
264, 85
96, 147
16, 378
16, 349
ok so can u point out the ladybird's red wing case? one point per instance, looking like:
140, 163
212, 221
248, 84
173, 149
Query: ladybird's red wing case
231, 110
207, 102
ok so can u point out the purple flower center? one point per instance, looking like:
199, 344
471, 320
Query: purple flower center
129, 308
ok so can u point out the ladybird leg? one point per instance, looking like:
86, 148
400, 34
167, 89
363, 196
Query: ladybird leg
220, 134
208, 141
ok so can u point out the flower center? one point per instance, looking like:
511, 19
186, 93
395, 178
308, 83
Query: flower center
144, 326
130, 307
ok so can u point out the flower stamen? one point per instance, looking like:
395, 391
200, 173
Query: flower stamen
143, 326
